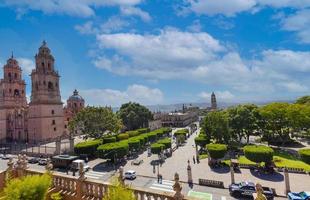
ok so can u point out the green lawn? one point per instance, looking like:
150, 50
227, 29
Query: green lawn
245, 161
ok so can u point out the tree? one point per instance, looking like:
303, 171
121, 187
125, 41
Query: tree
217, 151
95, 122
303, 100
243, 120
215, 126
134, 115
276, 122
34, 187
119, 191
258, 153
305, 155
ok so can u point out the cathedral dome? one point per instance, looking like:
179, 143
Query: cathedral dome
76, 96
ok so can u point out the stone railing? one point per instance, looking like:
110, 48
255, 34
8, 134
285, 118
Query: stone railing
79, 188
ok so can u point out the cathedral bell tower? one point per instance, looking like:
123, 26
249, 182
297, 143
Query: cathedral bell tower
45, 107
13, 103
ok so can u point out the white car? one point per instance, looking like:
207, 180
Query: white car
77, 163
130, 174
42, 161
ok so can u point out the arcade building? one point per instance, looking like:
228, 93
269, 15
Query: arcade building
44, 118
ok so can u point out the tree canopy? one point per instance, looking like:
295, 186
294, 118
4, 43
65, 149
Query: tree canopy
95, 122
134, 115
303, 100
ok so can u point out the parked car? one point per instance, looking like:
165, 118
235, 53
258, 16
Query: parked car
33, 160
246, 189
75, 166
130, 174
42, 161
299, 195
6, 156
136, 162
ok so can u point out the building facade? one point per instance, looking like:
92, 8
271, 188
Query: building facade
213, 102
43, 118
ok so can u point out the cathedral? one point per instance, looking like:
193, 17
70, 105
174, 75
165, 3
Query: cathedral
44, 118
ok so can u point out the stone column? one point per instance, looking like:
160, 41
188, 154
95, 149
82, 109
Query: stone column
232, 174
79, 183
121, 175
177, 188
58, 146
71, 142
189, 173
287, 181
49, 166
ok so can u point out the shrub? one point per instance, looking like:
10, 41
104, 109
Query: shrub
143, 130
132, 133
88, 147
152, 136
181, 132
201, 141
258, 153
33, 187
118, 191
109, 139
113, 150
157, 148
166, 142
217, 151
305, 155
134, 144
56, 196
122, 136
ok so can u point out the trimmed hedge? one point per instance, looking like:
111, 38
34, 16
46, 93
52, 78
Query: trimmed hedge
181, 132
217, 151
117, 149
258, 153
134, 144
157, 148
143, 130
109, 139
305, 155
132, 133
88, 147
166, 142
201, 140
152, 136
122, 136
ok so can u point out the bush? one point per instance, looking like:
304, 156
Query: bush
111, 150
258, 153
56, 196
217, 151
118, 191
166, 142
305, 155
152, 136
181, 132
109, 139
201, 141
134, 144
122, 136
157, 148
143, 130
132, 133
88, 147
33, 187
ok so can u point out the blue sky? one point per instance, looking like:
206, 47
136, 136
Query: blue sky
165, 51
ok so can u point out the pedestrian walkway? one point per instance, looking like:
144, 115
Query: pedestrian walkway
165, 185
95, 175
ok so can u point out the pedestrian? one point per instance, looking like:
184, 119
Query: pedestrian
194, 159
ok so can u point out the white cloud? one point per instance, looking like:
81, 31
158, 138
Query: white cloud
220, 95
81, 8
299, 23
86, 28
114, 23
195, 27
26, 64
137, 93
134, 11
295, 87
230, 8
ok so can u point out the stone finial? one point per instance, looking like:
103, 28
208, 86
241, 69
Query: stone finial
259, 192
121, 172
10, 164
177, 188
24, 161
49, 165
81, 171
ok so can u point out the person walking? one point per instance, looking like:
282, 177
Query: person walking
194, 160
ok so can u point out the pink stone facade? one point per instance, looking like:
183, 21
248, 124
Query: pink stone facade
43, 118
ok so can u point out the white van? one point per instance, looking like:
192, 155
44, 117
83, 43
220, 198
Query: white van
130, 174
77, 163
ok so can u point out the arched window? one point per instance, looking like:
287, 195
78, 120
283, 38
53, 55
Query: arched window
10, 75
37, 86
10, 91
15, 76
50, 86
42, 64
75, 105
48, 66
16, 92
44, 83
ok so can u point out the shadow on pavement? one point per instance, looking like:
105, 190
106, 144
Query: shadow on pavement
108, 166
221, 170
276, 176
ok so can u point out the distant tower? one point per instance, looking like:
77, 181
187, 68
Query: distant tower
12, 103
213, 101
75, 103
45, 108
